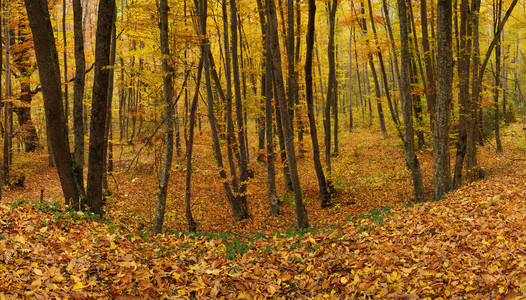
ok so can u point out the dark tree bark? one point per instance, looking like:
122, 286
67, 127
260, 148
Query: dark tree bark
301, 214
49, 73
332, 85
269, 132
377, 88
441, 167
243, 151
322, 183
465, 33
405, 94
473, 170
230, 136
497, 12
99, 105
429, 65
65, 58
78, 89
383, 72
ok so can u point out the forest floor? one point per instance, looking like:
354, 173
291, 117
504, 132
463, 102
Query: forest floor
373, 243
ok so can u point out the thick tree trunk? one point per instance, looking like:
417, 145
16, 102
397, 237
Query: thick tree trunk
49, 71
441, 166
405, 94
322, 183
99, 105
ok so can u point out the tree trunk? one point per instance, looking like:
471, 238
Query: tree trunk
441, 167
99, 105
243, 151
331, 86
429, 65
497, 12
78, 90
382, 70
65, 58
168, 121
301, 213
405, 94
463, 85
322, 183
49, 73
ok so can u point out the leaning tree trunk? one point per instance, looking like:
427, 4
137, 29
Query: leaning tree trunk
49, 73
99, 105
322, 183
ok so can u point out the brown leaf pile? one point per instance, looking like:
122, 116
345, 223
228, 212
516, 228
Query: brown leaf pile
469, 245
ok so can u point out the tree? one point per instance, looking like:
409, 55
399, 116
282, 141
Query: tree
405, 94
99, 105
168, 119
286, 122
49, 73
322, 183
78, 87
441, 167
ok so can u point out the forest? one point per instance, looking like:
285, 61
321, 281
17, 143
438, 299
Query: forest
309, 149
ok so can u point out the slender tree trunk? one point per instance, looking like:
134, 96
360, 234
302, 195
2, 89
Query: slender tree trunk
78, 90
463, 85
497, 12
100, 105
322, 183
65, 58
405, 94
168, 121
382, 70
332, 85
350, 79
441, 166
243, 151
301, 213
429, 65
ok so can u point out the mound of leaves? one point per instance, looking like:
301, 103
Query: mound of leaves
471, 244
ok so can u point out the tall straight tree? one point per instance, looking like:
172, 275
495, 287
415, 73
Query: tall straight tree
473, 170
49, 73
269, 124
78, 89
463, 87
168, 119
405, 93
497, 13
99, 105
322, 183
332, 85
243, 151
286, 122
441, 159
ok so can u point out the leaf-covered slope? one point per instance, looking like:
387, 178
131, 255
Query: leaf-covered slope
470, 244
